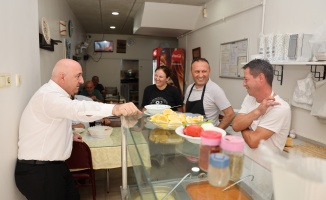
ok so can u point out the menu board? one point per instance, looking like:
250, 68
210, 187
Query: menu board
232, 56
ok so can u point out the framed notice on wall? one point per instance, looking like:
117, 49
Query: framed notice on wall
232, 56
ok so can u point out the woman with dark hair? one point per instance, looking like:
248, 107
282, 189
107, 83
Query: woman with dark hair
161, 92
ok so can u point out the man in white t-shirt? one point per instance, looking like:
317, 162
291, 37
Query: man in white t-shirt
263, 114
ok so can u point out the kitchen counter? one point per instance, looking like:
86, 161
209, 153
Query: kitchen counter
172, 158
305, 146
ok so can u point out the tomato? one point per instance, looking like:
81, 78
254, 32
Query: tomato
193, 130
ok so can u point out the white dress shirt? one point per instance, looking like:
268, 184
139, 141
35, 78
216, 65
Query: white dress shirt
82, 98
45, 131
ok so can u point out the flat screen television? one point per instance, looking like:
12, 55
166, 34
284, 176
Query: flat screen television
103, 46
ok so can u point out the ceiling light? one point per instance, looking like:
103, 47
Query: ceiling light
115, 13
112, 27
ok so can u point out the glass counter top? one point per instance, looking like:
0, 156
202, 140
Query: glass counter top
171, 157
113, 140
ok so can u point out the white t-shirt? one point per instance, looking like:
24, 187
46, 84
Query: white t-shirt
45, 131
215, 100
276, 119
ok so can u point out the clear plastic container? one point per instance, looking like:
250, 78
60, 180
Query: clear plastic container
218, 173
209, 143
233, 146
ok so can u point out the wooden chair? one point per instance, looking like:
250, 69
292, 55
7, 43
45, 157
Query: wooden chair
81, 166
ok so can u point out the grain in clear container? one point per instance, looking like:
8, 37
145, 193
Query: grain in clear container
233, 146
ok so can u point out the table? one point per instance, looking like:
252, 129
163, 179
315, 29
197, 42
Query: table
106, 152
116, 99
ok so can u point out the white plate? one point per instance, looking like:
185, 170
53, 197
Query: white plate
179, 131
78, 130
147, 113
196, 140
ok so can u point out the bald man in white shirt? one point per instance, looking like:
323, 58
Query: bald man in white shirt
45, 133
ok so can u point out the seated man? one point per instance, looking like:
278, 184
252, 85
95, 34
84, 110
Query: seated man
91, 92
98, 86
263, 114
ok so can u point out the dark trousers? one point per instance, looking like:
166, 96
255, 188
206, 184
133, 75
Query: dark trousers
45, 181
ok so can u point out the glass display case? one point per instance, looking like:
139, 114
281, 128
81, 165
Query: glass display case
173, 167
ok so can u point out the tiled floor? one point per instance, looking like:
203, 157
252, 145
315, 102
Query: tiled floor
101, 194
180, 165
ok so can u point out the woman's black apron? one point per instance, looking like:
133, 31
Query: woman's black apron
196, 106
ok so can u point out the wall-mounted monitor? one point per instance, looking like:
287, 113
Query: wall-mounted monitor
103, 46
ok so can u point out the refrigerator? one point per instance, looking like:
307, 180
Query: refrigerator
175, 59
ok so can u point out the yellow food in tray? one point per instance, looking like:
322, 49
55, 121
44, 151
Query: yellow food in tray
164, 137
171, 120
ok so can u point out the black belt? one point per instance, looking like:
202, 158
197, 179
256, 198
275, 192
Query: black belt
38, 162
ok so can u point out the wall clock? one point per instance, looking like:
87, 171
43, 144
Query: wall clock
130, 41
70, 28
46, 30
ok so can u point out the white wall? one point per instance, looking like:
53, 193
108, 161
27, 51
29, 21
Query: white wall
19, 50
108, 65
54, 11
21, 55
289, 16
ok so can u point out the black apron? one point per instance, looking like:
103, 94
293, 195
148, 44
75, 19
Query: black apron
196, 106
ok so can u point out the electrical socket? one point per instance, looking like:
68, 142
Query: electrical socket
8, 80
5, 80
18, 80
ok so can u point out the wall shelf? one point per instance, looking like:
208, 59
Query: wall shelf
313, 69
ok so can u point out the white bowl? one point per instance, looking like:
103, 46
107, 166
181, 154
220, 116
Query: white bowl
78, 130
156, 108
100, 131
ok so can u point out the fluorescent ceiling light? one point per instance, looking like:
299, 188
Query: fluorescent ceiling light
112, 27
115, 13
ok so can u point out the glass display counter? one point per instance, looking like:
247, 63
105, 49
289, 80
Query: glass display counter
172, 159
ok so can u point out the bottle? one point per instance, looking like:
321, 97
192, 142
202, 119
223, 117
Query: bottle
218, 170
209, 143
233, 146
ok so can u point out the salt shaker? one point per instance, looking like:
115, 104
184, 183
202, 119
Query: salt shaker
218, 170
209, 143
233, 146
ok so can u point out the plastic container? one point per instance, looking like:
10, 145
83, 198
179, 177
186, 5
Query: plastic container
218, 170
233, 146
209, 143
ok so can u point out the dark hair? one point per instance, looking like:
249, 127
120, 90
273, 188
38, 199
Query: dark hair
258, 66
199, 59
165, 69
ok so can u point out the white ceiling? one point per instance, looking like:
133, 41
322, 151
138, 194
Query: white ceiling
95, 15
